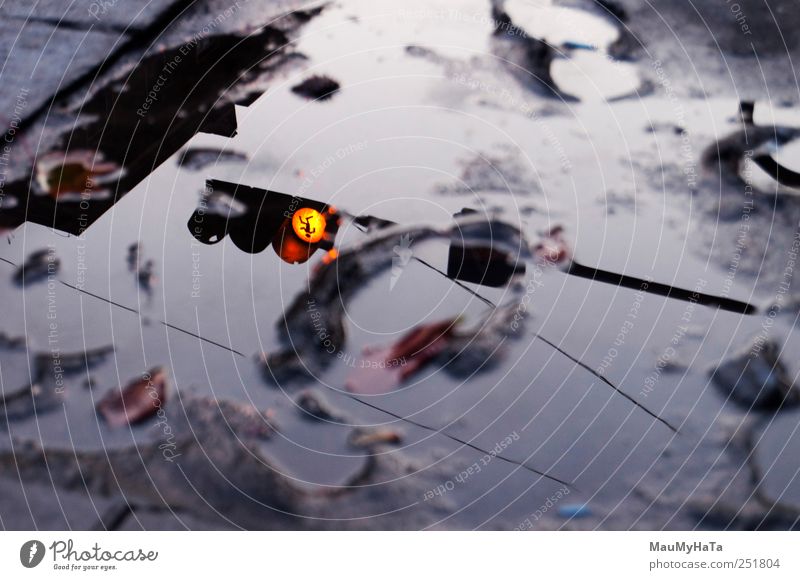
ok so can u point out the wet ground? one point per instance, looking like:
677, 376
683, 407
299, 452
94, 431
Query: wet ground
443, 370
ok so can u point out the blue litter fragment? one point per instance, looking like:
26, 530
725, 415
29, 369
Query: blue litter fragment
573, 45
575, 510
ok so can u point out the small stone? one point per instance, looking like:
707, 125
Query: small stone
39, 266
755, 378
366, 439
314, 407
317, 88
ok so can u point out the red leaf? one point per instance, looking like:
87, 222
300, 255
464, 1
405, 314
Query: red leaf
138, 401
387, 367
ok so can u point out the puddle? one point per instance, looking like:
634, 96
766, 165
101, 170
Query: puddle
199, 264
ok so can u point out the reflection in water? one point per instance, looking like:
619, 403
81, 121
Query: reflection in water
481, 251
313, 329
398, 362
255, 218
567, 52
763, 157
68, 176
37, 267
297, 227
308, 224
157, 106
472, 259
750, 198
757, 143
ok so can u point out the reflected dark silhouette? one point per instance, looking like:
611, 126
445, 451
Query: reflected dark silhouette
483, 263
765, 161
256, 218
482, 251
727, 156
157, 106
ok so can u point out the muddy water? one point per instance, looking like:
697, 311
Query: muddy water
413, 136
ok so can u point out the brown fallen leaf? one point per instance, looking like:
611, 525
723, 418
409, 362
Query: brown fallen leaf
389, 366
367, 439
136, 402
75, 175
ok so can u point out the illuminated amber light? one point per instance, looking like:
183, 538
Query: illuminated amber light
291, 250
332, 254
308, 224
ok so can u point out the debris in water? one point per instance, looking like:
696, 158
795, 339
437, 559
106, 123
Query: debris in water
317, 88
29, 400
204, 433
553, 248
485, 253
314, 406
39, 265
500, 172
72, 362
145, 272
575, 510
729, 157
254, 423
134, 250
282, 366
756, 379
75, 176
12, 342
390, 366
197, 158
137, 401
366, 439
147, 276
419, 51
